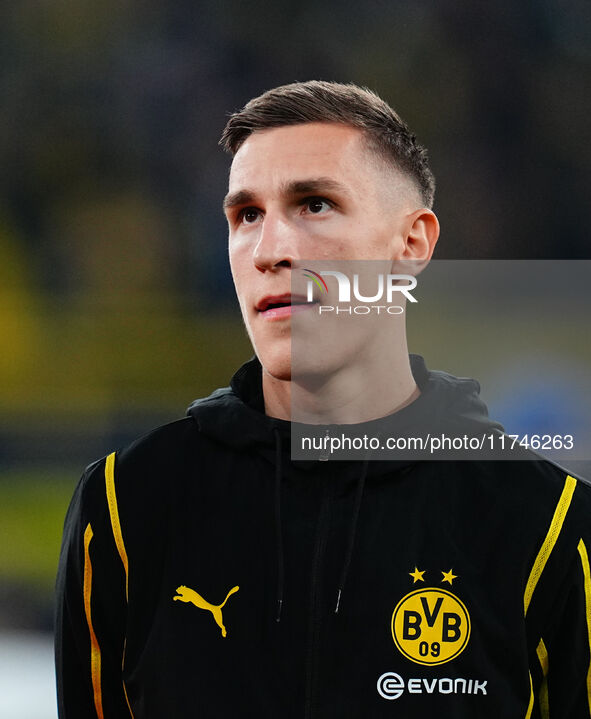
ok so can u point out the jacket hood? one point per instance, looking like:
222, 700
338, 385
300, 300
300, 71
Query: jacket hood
235, 415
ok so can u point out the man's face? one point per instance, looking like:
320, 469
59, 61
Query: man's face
306, 192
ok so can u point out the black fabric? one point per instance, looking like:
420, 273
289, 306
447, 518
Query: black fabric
278, 528
212, 504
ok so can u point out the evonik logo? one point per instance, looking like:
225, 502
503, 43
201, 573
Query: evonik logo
387, 285
392, 686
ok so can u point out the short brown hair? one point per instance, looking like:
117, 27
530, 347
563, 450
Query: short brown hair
348, 104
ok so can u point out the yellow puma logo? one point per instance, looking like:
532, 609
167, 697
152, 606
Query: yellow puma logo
185, 594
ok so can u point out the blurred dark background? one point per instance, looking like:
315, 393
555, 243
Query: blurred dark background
116, 302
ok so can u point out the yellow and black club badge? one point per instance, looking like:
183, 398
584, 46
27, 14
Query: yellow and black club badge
430, 625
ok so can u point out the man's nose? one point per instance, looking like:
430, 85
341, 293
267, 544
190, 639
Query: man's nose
277, 243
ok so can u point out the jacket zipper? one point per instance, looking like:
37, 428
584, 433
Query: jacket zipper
324, 454
315, 603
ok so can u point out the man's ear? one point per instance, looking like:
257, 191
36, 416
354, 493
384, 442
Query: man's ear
422, 233
421, 236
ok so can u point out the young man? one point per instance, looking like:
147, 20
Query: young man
204, 573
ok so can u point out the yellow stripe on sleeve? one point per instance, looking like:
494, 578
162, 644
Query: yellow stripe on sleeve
114, 513
530, 706
95, 650
118, 536
587, 583
542, 653
550, 540
125, 692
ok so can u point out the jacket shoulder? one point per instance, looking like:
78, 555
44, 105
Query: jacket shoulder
159, 460
164, 453
168, 439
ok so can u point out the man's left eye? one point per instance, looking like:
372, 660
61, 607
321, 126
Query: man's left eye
317, 205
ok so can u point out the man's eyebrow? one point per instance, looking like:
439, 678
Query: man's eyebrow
316, 185
242, 197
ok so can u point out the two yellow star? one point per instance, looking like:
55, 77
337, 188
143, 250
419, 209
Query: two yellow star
417, 576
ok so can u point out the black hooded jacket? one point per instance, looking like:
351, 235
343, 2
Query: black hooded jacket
205, 574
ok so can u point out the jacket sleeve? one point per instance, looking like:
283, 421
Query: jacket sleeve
569, 645
91, 608
563, 664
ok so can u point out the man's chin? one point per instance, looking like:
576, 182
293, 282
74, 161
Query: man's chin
279, 368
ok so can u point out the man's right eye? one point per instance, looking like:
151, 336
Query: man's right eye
249, 215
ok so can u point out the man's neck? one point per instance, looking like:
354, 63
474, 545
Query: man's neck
356, 393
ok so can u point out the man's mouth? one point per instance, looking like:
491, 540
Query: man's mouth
282, 306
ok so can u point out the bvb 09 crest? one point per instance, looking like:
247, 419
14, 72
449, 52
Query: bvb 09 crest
430, 626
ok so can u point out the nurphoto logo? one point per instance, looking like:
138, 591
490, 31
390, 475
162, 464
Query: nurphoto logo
388, 287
